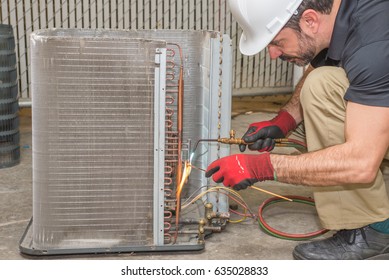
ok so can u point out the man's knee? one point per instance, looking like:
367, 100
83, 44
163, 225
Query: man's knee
322, 85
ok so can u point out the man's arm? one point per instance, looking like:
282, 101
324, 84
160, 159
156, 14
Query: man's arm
293, 106
261, 134
355, 161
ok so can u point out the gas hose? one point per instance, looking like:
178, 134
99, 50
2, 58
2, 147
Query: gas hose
283, 235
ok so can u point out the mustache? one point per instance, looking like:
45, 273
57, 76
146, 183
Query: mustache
288, 57
298, 60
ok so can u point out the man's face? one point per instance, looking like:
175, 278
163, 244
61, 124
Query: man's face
292, 46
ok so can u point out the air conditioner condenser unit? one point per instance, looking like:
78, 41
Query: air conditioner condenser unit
115, 117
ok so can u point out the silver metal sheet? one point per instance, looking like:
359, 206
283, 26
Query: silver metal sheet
93, 127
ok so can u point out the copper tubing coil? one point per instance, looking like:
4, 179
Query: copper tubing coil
168, 91
168, 192
169, 170
172, 86
171, 160
170, 76
171, 139
168, 237
170, 52
173, 142
171, 132
170, 64
167, 214
169, 100
169, 112
168, 181
168, 123
171, 154
167, 226
168, 173
172, 135
171, 151
172, 147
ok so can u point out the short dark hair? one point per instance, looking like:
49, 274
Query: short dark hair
321, 6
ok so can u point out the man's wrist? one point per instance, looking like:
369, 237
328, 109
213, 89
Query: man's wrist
285, 122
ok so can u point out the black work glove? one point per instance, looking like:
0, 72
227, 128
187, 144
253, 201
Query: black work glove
261, 135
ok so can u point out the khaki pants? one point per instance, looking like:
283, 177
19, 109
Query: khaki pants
341, 207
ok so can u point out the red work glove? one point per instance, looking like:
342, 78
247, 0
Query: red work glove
262, 134
241, 171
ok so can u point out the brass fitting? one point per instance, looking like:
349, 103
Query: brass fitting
201, 239
209, 214
232, 140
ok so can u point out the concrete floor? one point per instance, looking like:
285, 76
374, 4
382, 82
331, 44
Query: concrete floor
238, 241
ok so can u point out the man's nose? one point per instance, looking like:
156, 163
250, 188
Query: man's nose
274, 52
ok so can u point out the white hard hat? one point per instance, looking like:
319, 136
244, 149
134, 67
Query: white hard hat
261, 20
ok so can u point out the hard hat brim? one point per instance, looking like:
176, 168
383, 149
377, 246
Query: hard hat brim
253, 46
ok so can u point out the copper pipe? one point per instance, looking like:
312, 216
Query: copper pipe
180, 102
180, 105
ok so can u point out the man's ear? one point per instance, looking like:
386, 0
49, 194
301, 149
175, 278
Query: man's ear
309, 21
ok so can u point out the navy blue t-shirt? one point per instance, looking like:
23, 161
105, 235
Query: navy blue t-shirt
360, 44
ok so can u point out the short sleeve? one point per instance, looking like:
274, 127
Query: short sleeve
368, 73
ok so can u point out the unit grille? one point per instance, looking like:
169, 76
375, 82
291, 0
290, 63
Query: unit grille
93, 126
